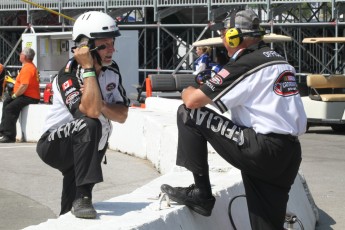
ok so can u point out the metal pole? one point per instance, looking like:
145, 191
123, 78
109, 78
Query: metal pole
158, 46
155, 10
14, 48
192, 47
209, 10
335, 16
49, 10
145, 43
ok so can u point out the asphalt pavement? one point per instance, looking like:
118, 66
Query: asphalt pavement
30, 190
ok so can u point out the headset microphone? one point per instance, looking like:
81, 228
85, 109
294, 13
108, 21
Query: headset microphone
101, 47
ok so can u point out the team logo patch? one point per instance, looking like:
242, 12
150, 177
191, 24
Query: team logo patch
66, 84
286, 84
111, 86
216, 79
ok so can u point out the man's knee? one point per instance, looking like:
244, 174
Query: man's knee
88, 127
92, 124
182, 113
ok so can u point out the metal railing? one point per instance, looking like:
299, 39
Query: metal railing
12, 5
147, 27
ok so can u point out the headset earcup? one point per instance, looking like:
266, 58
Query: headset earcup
233, 42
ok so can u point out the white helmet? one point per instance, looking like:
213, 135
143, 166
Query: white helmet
94, 25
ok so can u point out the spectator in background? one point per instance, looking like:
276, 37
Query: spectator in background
203, 61
26, 91
2, 76
220, 60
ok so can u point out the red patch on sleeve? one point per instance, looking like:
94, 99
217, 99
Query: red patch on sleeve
66, 84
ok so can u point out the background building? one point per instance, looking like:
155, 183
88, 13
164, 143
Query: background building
167, 28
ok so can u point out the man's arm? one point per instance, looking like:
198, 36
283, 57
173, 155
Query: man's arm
194, 98
91, 101
21, 90
115, 112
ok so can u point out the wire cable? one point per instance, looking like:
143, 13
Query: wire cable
229, 210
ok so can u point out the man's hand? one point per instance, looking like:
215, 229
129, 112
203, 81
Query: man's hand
194, 98
83, 56
91, 100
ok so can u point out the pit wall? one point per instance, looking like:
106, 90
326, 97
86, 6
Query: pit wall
151, 133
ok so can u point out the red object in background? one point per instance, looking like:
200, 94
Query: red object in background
148, 87
48, 94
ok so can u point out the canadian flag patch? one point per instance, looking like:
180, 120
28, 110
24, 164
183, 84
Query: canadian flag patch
66, 84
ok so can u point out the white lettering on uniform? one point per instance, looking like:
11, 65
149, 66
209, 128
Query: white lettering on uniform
65, 130
200, 116
271, 54
210, 85
219, 125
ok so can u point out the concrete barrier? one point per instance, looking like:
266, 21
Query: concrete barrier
151, 133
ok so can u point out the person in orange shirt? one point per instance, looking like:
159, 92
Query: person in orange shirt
26, 91
2, 76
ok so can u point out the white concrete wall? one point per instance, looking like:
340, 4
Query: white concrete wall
151, 133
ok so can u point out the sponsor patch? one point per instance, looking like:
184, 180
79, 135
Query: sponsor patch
70, 91
71, 99
216, 79
66, 84
286, 84
111, 86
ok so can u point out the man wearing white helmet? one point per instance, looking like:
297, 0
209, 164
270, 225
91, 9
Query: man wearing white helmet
88, 95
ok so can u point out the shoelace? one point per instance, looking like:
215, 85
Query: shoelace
189, 190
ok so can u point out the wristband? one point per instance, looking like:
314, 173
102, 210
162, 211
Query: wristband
89, 70
89, 74
14, 96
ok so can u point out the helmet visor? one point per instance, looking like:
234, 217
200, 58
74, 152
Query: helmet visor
109, 34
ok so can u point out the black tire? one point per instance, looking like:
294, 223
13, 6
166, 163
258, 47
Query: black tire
338, 128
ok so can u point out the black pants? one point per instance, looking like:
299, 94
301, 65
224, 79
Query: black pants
268, 163
10, 112
73, 150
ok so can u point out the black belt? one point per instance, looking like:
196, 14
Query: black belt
289, 136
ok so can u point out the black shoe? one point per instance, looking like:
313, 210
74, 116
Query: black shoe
190, 196
83, 208
5, 139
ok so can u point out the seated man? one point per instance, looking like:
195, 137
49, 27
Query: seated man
259, 88
26, 91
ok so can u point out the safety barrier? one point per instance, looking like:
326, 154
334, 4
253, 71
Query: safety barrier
151, 134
